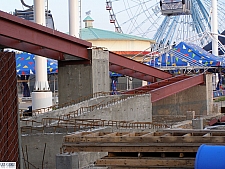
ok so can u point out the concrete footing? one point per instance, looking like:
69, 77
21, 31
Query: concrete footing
197, 123
67, 161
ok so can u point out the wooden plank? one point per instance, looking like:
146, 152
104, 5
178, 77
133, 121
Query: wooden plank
110, 134
130, 135
190, 131
187, 135
120, 167
207, 135
147, 162
91, 148
148, 134
167, 134
153, 139
92, 134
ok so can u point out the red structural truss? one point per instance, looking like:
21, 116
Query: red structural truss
168, 87
20, 34
23, 35
129, 67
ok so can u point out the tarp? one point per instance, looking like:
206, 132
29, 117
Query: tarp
187, 54
25, 64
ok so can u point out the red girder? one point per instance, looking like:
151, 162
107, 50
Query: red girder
139, 70
181, 85
23, 35
167, 87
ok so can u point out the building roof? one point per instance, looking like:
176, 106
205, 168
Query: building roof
88, 18
99, 34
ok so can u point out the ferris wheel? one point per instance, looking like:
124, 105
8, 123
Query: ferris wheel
165, 21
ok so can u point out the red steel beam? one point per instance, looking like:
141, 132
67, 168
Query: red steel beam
24, 35
145, 70
131, 73
156, 85
176, 87
16, 44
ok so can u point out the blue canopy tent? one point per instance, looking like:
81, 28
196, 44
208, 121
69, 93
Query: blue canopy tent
25, 66
187, 54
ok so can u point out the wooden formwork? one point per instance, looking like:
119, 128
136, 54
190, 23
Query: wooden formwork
161, 149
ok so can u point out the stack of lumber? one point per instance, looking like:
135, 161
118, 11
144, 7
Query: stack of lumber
161, 149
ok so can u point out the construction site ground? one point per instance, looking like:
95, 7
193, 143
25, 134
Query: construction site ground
177, 124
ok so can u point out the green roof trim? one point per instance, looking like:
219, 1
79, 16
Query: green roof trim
99, 34
88, 18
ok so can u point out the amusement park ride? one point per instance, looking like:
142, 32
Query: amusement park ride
170, 22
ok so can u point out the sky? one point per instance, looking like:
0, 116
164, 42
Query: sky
59, 10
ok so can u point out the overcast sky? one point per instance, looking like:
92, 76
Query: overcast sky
59, 9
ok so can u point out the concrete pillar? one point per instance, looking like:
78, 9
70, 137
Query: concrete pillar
100, 70
42, 96
79, 80
74, 18
67, 161
209, 93
197, 123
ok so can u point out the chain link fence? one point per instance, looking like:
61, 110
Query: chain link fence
9, 142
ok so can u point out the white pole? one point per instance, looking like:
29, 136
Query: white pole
40, 62
214, 28
41, 97
74, 18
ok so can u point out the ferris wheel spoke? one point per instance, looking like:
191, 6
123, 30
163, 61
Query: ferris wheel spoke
152, 28
199, 21
134, 16
139, 15
172, 29
205, 15
162, 28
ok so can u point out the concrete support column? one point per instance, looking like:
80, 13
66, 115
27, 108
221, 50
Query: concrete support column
100, 70
67, 161
79, 80
209, 93
74, 18
42, 96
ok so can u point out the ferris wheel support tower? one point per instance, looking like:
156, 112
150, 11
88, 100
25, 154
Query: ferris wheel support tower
214, 28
